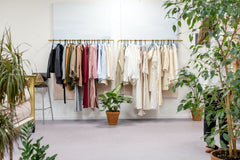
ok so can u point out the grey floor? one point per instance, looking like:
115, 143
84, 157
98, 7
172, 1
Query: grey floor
164, 139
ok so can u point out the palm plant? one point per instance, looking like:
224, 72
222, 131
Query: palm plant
12, 80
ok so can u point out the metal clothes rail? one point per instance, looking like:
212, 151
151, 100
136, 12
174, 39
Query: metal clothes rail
177, 40
80, 40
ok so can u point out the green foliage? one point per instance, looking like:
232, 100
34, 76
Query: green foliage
32, 150
12, 84
220, 23
8, 133
112, 100
12, 75
194, 98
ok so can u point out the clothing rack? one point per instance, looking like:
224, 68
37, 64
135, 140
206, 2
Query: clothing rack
80, 40
177, 40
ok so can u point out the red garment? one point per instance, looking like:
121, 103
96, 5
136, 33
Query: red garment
85, 77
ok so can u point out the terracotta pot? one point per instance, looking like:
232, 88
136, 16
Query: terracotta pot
216, 158
198, 117
112, 117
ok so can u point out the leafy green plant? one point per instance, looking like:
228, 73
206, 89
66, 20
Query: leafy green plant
32, 150
12, 78
8, 133
112, 100
194, 98
220, 24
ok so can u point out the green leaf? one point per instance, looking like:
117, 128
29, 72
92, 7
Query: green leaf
179, 23
174, 28
180, 108
238, 133
226, 137
190, 37
223, 145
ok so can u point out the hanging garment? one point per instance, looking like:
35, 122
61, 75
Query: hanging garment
175, 60
150, 55
63, 72
120, 65
145, 72
159, 70
69, 79
80, 49
55, 65
78, 103
85, 77
93, 75
51, 62
154, 80
137, 88
126, 68
109, 59
79, 53
59, 68
172, 75
166, 64
102, 66
58, 63
131, 67
64, 62
73, 64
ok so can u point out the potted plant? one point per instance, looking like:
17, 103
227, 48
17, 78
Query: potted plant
111, 102
220, 21
12, 85
194, 98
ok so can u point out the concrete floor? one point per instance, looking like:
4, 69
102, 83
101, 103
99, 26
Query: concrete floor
164, 139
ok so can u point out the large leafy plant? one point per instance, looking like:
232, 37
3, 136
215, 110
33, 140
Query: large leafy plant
32, 150
220, 24
112, 100
12, 79
194, 98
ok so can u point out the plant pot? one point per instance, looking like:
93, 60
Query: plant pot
198, 117
213, 153
112, 117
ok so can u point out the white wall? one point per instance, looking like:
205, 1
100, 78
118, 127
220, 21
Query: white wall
31, 22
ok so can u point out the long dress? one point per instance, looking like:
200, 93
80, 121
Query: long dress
145, 81
92, 76
159, 56
154, 81
85, 77
137, 87
166, 64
